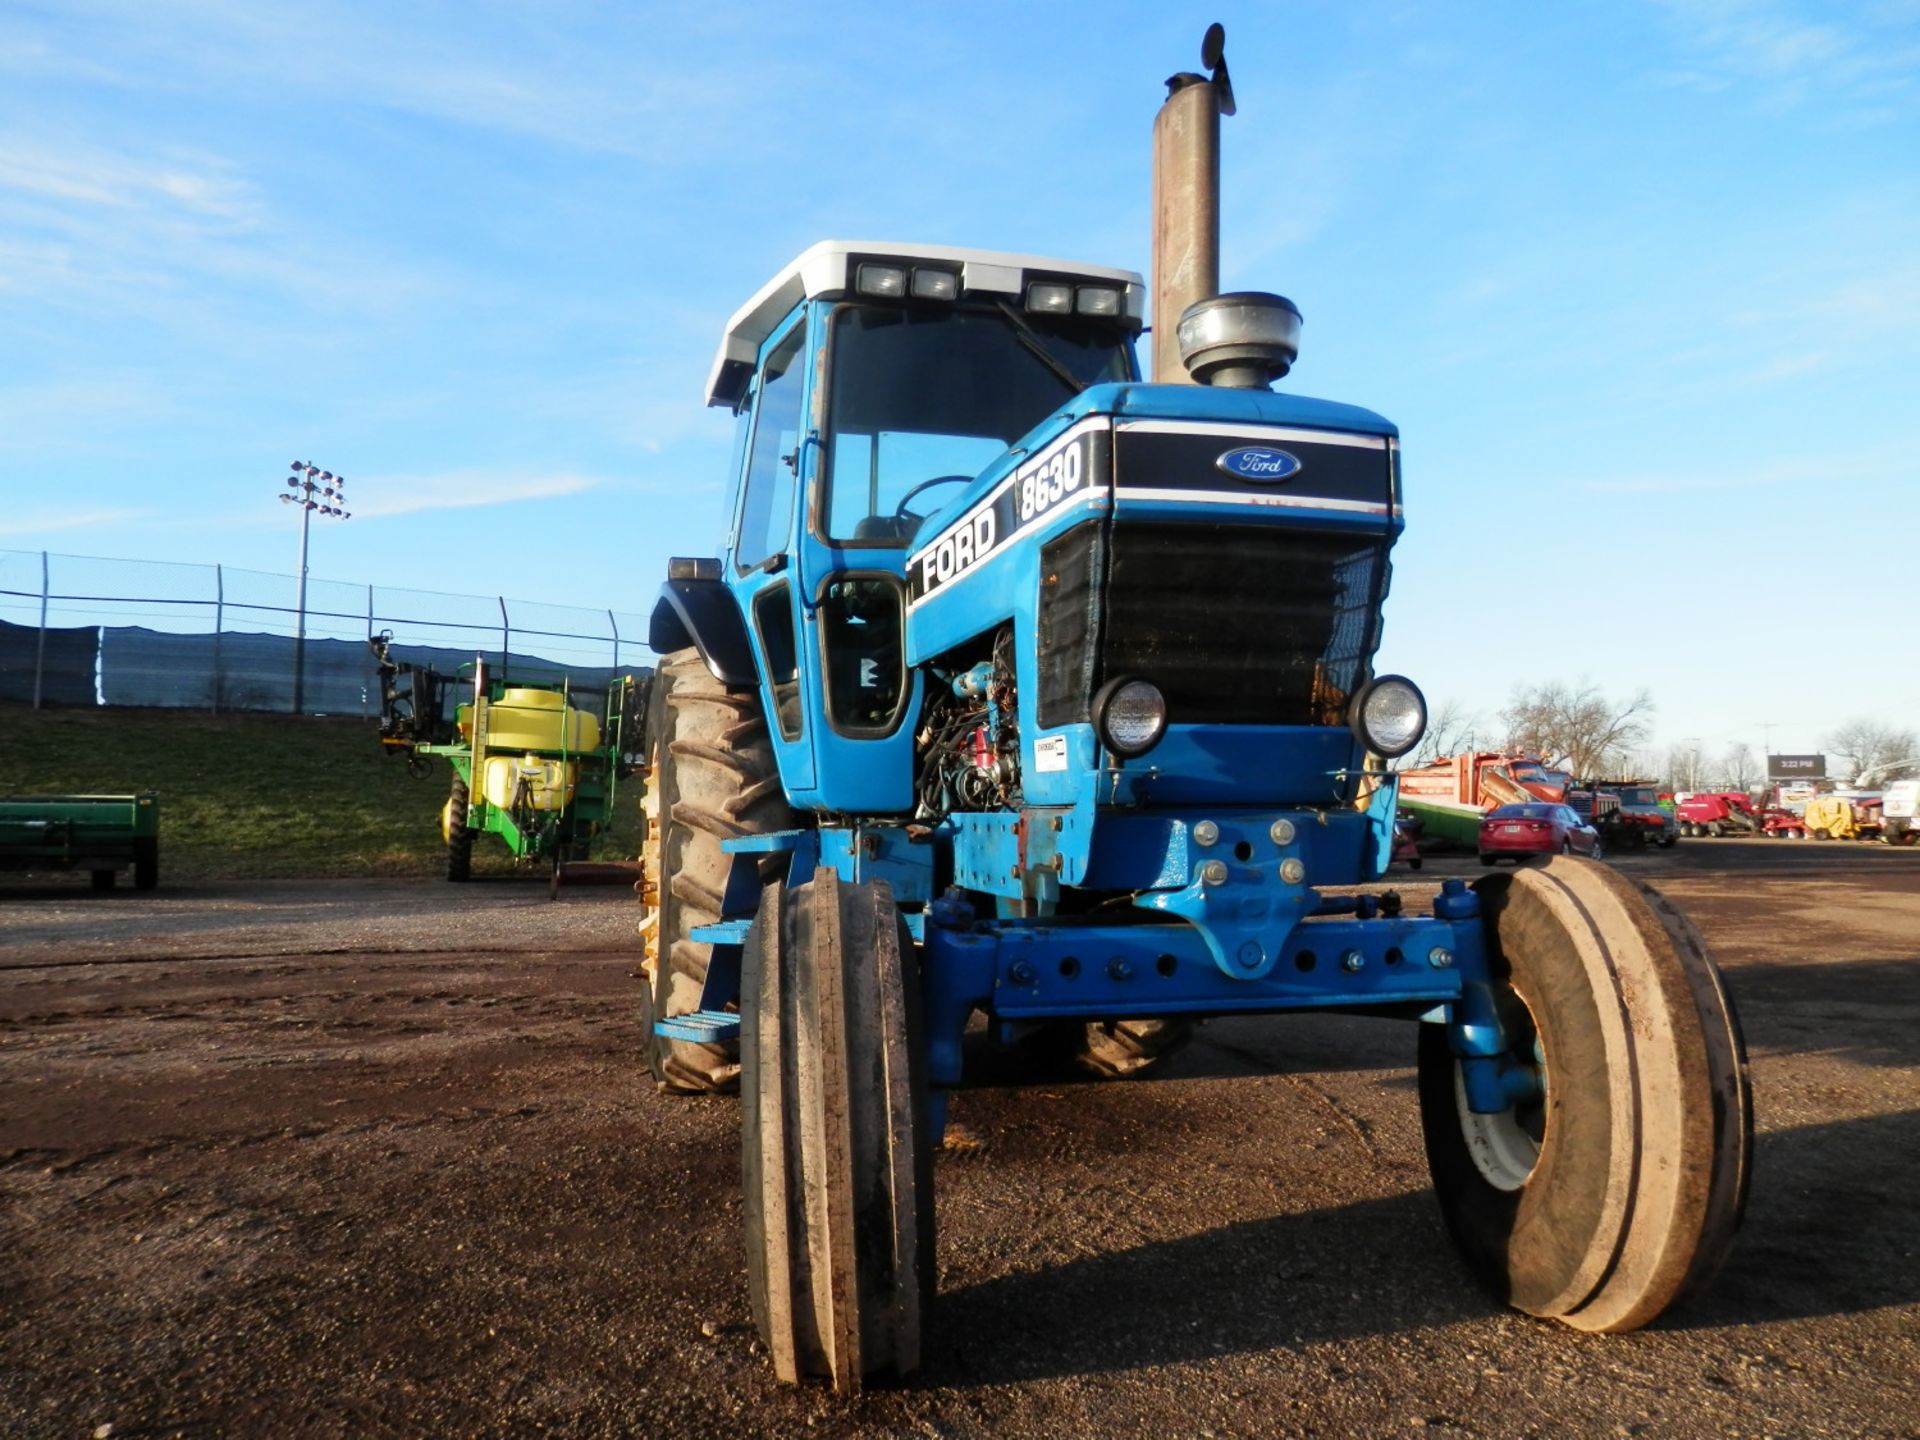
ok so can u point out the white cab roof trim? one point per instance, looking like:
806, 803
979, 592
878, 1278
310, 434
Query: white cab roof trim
822, 270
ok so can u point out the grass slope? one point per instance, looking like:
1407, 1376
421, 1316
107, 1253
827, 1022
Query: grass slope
266, 796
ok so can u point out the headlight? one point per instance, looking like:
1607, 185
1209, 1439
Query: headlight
1050, 297
935, 284
1389, 716
1097, 300
1129, 715
887, 281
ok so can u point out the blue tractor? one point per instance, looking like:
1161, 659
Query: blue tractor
1024, 687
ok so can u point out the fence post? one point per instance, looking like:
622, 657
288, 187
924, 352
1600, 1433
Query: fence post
365, 689
40, 651
616, 639
506, 637
219, 624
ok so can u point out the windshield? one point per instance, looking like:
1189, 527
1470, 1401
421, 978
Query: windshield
1528, 773
1637, 796
924, 396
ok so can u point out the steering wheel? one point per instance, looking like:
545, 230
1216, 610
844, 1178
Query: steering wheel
900, 511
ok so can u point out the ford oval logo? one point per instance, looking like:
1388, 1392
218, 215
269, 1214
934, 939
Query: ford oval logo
1259, 464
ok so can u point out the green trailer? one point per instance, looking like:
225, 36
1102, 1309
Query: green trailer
97, 833
529, 765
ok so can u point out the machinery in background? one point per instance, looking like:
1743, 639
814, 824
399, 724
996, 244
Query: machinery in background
96, 833
1900, 813
528, 765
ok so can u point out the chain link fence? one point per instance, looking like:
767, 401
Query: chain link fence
81, 630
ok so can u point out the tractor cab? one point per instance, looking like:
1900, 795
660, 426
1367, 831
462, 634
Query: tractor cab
872, 384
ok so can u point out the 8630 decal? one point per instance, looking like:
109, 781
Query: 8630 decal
1062, 475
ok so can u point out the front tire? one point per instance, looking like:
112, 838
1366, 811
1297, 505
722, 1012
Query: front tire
1619, 1193
453, 827
836, 1163
711, 777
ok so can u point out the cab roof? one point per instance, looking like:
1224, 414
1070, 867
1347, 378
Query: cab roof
825, 270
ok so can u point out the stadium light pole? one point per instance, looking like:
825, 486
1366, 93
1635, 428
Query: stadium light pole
312, 491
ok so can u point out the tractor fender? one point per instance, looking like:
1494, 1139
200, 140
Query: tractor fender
703, 614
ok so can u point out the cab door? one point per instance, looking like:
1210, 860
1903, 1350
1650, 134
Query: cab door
760, 549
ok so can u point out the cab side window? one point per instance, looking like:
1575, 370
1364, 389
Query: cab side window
766, 511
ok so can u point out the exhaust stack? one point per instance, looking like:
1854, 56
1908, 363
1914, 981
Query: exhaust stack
1247, 339
1186, 199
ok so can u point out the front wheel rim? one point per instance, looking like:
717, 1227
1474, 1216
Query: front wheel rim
1505, 1147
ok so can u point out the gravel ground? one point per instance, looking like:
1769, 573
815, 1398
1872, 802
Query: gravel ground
345, 1158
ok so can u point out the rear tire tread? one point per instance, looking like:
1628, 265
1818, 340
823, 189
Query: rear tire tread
713, 778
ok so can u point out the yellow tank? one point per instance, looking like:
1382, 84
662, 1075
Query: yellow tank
533, 720
538, 783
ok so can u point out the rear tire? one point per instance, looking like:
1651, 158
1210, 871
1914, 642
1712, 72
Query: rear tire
711, 777
1618, 1194
836, 1165
453, 824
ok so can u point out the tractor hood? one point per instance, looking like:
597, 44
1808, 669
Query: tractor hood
1154, 453
1139, 401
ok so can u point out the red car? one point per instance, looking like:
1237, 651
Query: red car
1513, 832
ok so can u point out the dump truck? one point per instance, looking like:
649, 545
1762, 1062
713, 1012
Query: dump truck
1022, 685
529, 766
1626, 812
1452, 795
101, 834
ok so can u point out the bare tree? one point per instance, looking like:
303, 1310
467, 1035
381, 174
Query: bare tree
1861, 745
1738, 769
1576, 726
1450, 730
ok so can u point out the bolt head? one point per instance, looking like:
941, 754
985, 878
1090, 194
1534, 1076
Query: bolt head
1282, 832
1205, 833
1120, 968
1021, 972
1293, 871
1251, 954
1439, 957
1353, 961
1214, 872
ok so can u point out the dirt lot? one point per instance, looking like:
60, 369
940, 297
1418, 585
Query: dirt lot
346, 1158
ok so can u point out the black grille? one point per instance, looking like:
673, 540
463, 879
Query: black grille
1237, 624
1069, 622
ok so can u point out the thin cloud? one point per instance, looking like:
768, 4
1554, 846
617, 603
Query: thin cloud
193, 185
391, 495
45, 523
1794, 57
1827, 471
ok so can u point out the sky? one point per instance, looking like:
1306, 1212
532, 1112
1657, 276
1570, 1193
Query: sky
1640, 284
